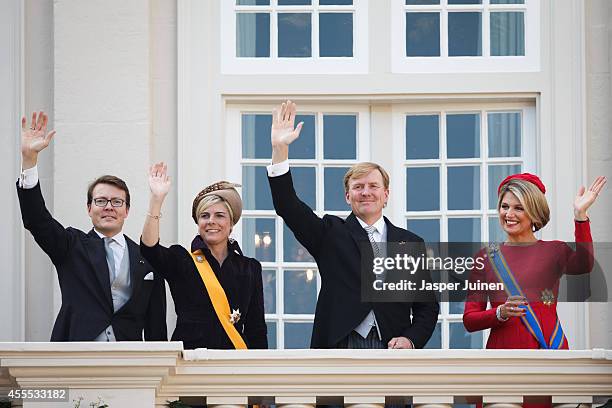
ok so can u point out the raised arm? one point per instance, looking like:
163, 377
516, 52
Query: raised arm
159, 183
34, 139
307, 227
585, 198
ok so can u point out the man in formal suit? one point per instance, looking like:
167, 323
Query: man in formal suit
109, 291
342, 318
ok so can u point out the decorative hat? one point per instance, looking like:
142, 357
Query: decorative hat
532, 178
225, 190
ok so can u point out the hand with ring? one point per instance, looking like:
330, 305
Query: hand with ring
511, 307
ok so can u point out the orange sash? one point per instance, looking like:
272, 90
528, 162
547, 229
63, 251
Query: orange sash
218, 298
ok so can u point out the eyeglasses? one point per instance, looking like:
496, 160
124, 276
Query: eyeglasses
115, 202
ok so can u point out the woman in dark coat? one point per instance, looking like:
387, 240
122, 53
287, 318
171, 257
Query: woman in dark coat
217, 291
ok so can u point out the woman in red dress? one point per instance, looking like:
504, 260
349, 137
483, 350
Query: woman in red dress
535, 265
526, 317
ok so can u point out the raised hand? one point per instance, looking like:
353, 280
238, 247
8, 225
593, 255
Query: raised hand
34, 138
159, 182
585, 198
283, 120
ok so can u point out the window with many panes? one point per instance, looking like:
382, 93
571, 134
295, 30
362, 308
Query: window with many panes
330, 142
449, 162
452, 162
273, 35
487, 35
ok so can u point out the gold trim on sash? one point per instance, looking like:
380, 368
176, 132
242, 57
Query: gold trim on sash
218, 298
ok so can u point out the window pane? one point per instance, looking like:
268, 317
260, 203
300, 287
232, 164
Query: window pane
256, 189
422, 34
435, 342
464, 188
496, 175
252, 2
304, 146
429, 230
294, 2
339, 137
297, 335
461, 339
269, 288
293, 251
422, 136
259, 238
422, 188
252, 34
411, 2
464, 230
304, 182
507, 33
464, 37
294, 32
496, 233
256, 136
271, 335
336, 34
507, 1
300, 291
464, 1
463, 136
504, 134
334, 189
335, 2
456, 307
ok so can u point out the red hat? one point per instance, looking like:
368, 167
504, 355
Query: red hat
532, 178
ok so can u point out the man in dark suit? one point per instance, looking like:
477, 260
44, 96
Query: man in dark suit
109, 291
342, 318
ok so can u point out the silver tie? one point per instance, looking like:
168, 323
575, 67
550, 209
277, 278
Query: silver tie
375, 247
110, 258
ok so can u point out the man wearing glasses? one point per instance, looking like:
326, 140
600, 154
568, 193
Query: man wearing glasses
109, 291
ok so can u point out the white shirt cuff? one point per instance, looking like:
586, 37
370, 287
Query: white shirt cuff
278, 169
28, 178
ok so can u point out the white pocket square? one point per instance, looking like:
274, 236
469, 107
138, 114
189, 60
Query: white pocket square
149, 276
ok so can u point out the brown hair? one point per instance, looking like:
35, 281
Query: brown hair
362, 169
531, 198
113, 181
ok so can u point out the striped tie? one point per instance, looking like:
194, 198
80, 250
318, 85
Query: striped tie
375, 247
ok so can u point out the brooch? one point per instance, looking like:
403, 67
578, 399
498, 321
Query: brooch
235, 316
548, 297
199, 258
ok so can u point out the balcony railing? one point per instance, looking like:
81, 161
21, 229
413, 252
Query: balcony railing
150, 374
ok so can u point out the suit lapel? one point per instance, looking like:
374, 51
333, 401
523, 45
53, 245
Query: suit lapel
97, 256
358, 233
394, 234
137, 266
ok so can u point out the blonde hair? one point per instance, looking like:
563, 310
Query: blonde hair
210, 200
363, 169
531, 198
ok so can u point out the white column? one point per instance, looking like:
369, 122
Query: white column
227, 401
572, 401
364, 402
502, 401
296, 402
432, 401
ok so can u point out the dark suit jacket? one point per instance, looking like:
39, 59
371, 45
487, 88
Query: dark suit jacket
80, 261
336, 246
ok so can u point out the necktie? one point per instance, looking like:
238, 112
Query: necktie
110, 258
375, 247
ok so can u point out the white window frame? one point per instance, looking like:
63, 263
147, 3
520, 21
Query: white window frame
528, 160
530, 62
231, 64
234, 163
